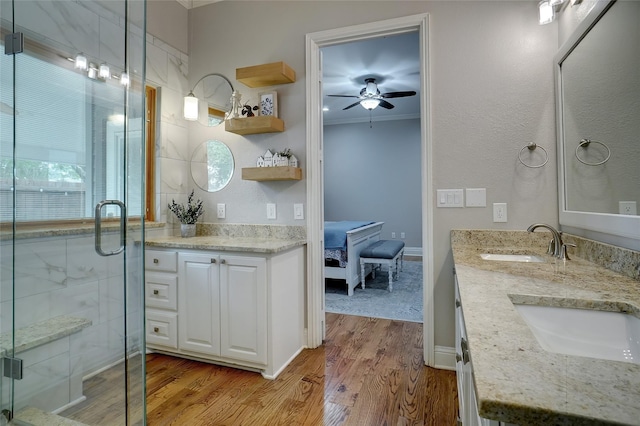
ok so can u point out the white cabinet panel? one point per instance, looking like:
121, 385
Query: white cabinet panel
199, 299
243, 308
162, 261
162, 328
161, 291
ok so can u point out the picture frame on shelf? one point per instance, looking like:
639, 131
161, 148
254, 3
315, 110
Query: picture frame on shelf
269, 103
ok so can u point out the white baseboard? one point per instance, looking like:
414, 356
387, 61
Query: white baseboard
445, 358
413, 251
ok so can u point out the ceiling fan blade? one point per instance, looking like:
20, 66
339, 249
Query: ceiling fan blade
344, 96
398, 94
352, 105
385, 104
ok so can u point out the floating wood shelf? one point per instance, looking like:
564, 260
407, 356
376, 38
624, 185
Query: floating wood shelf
253, 125
266, 75
272, 173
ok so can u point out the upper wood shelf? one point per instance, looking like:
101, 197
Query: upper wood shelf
266, 75
253, 125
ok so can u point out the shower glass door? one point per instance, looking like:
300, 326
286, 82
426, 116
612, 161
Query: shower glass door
71, 203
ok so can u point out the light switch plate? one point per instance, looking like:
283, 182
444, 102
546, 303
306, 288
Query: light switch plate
450, 198
298, 212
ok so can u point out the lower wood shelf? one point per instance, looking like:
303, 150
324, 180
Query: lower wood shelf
272, 173
253, 125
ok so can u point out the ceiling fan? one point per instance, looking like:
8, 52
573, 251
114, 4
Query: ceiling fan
370, 96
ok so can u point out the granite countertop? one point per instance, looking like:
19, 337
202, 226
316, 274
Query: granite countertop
227, 243
515, 379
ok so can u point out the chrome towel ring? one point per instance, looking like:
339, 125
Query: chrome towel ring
531, 147
584, 143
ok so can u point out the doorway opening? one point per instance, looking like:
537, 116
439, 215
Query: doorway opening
315, 168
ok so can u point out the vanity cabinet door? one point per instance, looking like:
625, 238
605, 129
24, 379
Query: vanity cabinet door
199, 303
243, 308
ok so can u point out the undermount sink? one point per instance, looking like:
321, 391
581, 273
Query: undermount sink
511, 257
590, 333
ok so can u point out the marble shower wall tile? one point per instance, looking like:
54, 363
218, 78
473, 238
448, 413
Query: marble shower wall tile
64, 22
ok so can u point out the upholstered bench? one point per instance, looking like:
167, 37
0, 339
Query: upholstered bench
388, 252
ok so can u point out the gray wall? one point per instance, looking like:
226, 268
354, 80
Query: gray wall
167, 20
373, 173
491, 94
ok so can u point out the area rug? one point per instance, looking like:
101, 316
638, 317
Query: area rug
403, 303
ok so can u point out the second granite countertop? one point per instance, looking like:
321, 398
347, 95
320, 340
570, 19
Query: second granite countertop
224, 243
515, 379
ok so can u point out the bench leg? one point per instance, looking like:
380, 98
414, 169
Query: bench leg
391, 269
362, 268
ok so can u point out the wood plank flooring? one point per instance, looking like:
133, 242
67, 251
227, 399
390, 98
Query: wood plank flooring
369, 372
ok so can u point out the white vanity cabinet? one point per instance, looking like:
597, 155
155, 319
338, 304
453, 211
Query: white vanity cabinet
467, 404
238, 309
223, 305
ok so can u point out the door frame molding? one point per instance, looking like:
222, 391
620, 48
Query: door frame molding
315, 181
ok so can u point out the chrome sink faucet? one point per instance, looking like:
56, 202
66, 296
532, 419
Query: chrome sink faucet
556, 247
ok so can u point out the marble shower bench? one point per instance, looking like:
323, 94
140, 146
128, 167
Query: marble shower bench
52, 373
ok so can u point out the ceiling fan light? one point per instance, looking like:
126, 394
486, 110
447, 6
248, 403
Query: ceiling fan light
370, 103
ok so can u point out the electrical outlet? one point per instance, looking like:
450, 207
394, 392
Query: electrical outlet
298, 212
271, 211
222, 211
393, 235
627, 207
499, 212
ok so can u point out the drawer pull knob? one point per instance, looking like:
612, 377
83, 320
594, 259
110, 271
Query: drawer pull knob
156, 292
156, 261
223, 261
213, 260
156, 329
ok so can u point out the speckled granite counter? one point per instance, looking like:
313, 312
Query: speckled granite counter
515, 379
223, 243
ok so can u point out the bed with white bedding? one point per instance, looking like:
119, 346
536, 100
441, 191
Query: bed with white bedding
343, 242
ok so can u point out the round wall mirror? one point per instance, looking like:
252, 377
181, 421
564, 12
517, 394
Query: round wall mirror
212, 165
214, 99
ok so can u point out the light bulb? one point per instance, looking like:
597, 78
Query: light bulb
104, 71
124, 79
81, 62
370, 103
190, 111
546, 12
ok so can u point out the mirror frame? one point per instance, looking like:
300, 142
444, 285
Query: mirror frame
607, 223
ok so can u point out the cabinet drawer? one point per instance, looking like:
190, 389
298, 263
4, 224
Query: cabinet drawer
156, 260
161, 291
162, 328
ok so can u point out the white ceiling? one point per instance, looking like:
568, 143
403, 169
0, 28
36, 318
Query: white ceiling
394, 61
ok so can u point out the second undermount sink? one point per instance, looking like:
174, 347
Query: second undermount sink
511, 257
590, 333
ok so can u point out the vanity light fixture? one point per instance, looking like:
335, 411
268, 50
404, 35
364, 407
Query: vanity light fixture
92, 73
124, 79
190, 107
81, 62
369, 103
546, 12
104, 71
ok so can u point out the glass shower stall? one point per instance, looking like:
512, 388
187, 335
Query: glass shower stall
72, 144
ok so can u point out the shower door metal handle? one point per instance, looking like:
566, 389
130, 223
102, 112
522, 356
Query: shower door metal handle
123, 218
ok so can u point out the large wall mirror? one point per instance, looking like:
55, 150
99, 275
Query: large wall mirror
598, 105
212, 165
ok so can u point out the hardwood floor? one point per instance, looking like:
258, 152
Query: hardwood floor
369, 372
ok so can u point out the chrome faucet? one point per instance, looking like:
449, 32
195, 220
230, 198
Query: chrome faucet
556, 245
